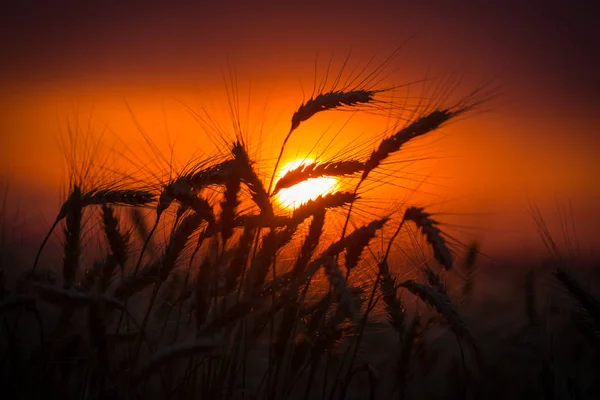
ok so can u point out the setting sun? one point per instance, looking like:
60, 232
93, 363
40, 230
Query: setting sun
302, 192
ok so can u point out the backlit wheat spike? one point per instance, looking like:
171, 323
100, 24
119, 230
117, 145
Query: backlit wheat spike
272, 242
339, 246
340, 287
433, 235
323, 102
321, 203
310, 243
141, 228
394, 143
118, 197
317, 170
356, 236
118, 243
434, 279
330, 101
185, 195
77, 199
178, 241
214, 175
254, 184
160, 269
238, 263
355, 247
443, 305
393, 305
101, 272
229, 205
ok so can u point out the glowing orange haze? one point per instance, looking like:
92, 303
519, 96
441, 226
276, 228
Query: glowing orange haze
482, 171
475, 168
539, 144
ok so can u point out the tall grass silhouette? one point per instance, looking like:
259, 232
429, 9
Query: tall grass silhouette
244, 300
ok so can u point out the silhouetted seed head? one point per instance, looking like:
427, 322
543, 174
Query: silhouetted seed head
118, 242
184, 195
321, 203
101, 272
433, 235
240, 257
249, 177
214, 175
339, 246
340, 287
229, 205
355, 247
434, 279
178, 241
272, 242
393, 305
443, 305
310, 243
118, 197
395, 142
317, 170
367, 231
330, 101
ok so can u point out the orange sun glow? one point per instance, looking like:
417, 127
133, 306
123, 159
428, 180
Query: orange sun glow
292, 197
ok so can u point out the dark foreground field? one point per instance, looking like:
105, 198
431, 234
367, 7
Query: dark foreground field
269, 312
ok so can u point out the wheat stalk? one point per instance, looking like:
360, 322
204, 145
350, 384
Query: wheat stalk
310, 243
393, 305
238, 263
72, 231
340, 287
217, 174
254, 184
434, 280
330, 101
443, 305
118, 242
317, 170
321, 203
184, 194
433, 235
127, 197
323, 102
229, 205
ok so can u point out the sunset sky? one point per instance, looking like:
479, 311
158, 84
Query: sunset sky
537, 142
